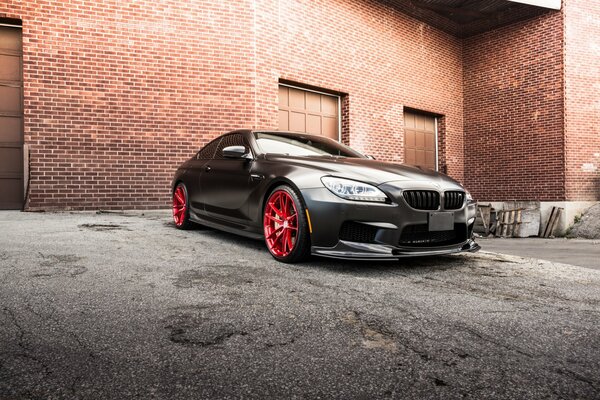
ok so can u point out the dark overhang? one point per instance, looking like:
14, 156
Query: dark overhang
464, 18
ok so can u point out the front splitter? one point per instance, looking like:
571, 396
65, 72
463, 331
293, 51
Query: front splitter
372, 251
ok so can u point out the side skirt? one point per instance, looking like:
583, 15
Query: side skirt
240, 230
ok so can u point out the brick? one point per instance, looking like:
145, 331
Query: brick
513, 107
582, 99
117, 94
123, 94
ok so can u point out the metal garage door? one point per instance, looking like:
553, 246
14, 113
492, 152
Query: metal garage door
308, 111
11, 119
420, 140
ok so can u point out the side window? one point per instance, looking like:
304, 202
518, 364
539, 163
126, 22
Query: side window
235, 139
208, 151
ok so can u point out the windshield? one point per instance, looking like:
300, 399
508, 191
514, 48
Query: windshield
298, 145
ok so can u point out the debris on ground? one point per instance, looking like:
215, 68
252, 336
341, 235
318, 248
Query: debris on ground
512, 219
552, 223
588, 226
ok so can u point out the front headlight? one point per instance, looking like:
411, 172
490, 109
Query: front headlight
353, 190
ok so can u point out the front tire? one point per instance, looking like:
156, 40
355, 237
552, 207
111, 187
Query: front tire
285, 225
181, 208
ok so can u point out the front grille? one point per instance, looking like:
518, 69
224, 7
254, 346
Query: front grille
422, 199
419, 235
453, 200
355, 232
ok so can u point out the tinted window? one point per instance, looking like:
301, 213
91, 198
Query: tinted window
235, 139
209, 150
302, 146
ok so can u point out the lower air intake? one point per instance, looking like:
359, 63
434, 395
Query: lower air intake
420, 236
356, 232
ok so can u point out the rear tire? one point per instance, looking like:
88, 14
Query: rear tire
285, 225
181, 208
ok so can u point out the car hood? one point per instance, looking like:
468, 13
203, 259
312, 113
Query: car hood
370, 171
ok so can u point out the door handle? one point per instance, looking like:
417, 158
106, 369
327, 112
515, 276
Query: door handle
257, 177
207, 168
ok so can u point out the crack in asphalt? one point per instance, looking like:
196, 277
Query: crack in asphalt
414, 330
579, 377
450, 286
459, 287
281, 344
178, 336
427, 356
191, 329
374, 334
60, 326
21, 343
104, 227
26, 349
53, 265
21, 334
365, 297
480, 291
487, 339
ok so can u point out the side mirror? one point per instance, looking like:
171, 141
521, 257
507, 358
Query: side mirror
236, 152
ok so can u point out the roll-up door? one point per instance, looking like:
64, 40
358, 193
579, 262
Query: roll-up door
308, 111
11, 119
419, 140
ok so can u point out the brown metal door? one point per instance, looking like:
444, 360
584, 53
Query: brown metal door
11, 119
308, 112
419, 140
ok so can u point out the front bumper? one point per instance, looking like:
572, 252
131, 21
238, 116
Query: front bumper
370, 251
328, 212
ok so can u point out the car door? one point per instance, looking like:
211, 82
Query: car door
225, 184
195, 169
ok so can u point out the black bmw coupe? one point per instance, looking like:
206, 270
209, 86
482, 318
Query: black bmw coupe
308, 194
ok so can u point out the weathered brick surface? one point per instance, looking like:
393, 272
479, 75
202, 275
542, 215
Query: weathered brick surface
513, 109
118, 93
582, 99
382, 59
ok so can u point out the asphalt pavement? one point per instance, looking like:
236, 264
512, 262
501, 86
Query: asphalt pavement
580, 252
123, 305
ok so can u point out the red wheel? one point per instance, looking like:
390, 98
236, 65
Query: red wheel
180, 207
285, 226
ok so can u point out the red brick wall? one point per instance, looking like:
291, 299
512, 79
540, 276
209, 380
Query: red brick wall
514, 111
117, 94
582, 99
381, 58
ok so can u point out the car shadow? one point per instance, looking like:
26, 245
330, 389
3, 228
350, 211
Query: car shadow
232, 238
405, 265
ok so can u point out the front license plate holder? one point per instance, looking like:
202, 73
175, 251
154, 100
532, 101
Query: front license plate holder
441, 221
